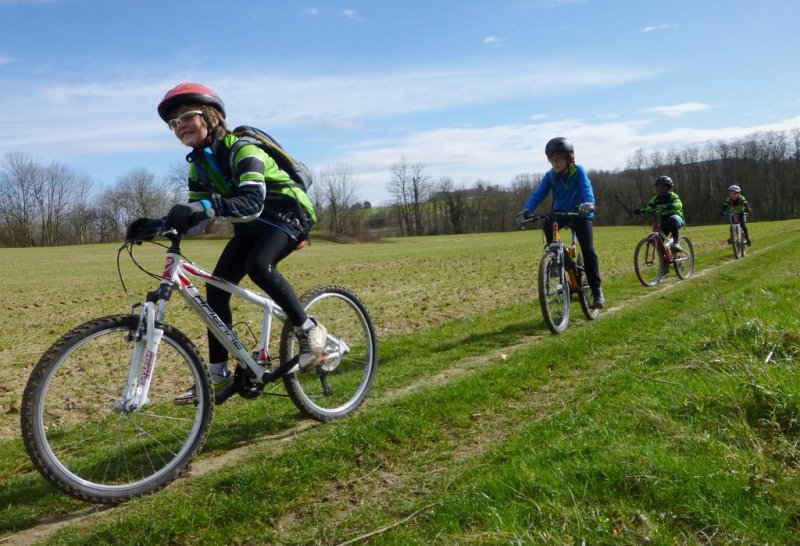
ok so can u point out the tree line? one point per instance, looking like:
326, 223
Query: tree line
766, 165
49, 205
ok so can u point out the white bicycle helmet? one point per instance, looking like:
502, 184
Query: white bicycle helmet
735, 188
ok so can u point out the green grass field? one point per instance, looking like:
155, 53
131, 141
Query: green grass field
673, 418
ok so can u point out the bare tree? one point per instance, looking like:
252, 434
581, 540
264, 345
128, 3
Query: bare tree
135, 195
410, 187
176, 183
16, 199
338, 193
38, 203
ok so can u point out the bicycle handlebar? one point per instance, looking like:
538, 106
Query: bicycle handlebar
535, 217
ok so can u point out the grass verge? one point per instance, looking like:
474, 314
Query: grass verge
673, 418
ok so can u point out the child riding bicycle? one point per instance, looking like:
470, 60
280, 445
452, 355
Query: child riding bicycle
270, 219
736, 202
668, 206
571, 189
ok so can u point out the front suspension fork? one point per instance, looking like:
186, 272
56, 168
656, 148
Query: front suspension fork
146, 340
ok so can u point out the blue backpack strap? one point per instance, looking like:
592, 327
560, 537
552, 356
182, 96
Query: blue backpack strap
208, 153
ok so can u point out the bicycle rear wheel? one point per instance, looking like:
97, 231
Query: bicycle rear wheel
648, 262
684, 261
553, 293
339, 384
585, 293
79, 437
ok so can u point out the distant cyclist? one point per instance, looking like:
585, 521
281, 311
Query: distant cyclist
669, 208
270, 218
736, 202
571, 190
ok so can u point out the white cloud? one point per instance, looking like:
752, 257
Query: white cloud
95, 117
549, 3
311, 11
497, 154
677, 110
493, 41
386, 94
92, 117
351, 14
6, 60
658, 27
28, 2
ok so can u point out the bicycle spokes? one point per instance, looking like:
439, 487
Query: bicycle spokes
94, 447
649, 262
338, 384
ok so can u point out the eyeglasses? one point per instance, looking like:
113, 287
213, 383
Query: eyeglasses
555, 158
183, 118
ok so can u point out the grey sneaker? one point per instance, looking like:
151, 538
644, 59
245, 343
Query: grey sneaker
223, 389
311, 344
676, 248
599, 299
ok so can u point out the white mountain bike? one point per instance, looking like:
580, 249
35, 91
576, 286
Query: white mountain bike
737, 238
99, 416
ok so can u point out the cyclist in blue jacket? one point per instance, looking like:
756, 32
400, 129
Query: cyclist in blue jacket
571, 190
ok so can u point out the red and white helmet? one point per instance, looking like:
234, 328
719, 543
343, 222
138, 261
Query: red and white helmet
189, 92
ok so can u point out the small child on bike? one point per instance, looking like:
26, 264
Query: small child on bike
571, 189
270, 220
736, 202
669, 208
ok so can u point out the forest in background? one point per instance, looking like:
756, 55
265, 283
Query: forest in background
50, 205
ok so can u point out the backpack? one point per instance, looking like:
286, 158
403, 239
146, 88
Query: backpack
297, 171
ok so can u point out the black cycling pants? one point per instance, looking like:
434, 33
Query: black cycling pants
583, 230
254, 252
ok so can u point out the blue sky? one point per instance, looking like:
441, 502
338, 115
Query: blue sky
471, 89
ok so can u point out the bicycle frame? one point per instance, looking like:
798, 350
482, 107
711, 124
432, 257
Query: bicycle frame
567, 257
735, 219
658, 237
737, 233
176, 276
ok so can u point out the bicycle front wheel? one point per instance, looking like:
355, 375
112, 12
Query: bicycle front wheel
648, 262
81, 439
684, 261
585, 293
737, 241
553, 293
339, 384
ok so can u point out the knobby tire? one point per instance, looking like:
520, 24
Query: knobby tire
89, 448
338, 385
648, 262
554, 297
